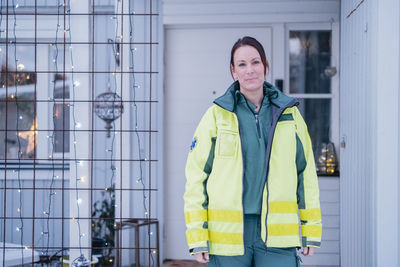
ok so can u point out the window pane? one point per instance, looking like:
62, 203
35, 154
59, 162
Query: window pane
316, 113
309, 62
60, 90
17, 116
18, 124
61, 135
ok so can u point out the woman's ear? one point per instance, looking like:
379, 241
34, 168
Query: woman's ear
233, 73
266, 70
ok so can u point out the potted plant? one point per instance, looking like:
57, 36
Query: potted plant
103, 221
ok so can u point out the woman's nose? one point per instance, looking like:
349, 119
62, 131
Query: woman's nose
249, 69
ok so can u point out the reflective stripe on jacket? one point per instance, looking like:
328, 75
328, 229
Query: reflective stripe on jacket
214, 185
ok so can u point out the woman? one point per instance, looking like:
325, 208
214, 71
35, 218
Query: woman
249, 171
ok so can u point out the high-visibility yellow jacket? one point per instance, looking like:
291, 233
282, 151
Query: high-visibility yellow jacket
214, 185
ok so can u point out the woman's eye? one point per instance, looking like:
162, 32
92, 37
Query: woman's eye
242, 65
256, 62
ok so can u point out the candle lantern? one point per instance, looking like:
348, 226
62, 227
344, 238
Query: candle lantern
326, 160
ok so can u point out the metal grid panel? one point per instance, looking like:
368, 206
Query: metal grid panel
71, 188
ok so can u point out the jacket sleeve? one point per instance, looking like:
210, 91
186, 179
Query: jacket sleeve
198, 168
307, 187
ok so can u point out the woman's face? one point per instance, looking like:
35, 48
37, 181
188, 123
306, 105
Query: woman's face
248, 68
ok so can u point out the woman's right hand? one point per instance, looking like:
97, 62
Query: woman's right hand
202, 257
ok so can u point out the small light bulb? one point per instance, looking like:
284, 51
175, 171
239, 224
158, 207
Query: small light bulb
79, 201
17, 6
78, 125
77, 83
19, 209
26, 248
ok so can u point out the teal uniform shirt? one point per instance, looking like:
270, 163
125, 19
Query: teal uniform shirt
253, 127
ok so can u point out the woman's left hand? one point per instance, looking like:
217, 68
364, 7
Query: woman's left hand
308, 251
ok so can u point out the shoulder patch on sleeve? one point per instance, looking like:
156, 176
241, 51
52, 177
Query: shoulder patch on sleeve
194, 143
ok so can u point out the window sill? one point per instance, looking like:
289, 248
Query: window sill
31, 165
335, 174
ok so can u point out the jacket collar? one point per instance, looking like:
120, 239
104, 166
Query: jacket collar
229, 100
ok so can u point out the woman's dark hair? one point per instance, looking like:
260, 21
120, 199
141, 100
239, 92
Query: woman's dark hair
250, 41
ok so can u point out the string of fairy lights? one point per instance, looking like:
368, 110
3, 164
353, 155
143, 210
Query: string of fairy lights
20, 228
81, 260
5, 147
52, 193
134, 87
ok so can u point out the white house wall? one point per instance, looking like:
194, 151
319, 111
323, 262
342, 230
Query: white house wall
370, 132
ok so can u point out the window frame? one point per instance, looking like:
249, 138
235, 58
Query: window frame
44, 113
334, 95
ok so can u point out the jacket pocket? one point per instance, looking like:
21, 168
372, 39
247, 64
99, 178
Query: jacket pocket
226, 143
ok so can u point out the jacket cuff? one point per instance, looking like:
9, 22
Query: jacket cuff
193, 251
310, 243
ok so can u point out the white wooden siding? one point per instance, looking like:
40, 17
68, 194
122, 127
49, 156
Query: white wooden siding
35, 206
369, 161
329, 253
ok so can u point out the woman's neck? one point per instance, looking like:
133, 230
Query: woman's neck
254, 97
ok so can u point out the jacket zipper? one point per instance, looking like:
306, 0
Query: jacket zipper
258, 126
271, 131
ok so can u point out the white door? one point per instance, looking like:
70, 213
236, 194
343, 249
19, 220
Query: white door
196, 72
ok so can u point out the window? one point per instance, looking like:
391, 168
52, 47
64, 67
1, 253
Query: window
27, 117
312, 74
18, 122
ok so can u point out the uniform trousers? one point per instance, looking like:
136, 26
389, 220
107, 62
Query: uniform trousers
256, 254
